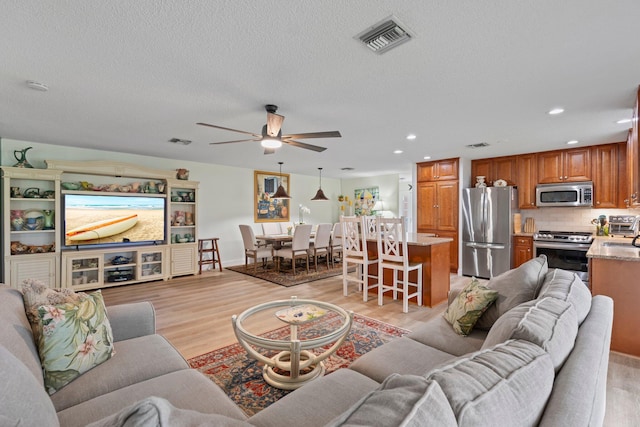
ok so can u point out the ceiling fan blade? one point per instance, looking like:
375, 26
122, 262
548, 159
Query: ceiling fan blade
232, 130
231, 142
303, 145
274, 124
331, 134
269, 150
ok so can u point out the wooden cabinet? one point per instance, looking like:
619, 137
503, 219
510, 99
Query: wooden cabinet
30, 225
522, 250
633, 160
494, 169
438, 213
527, 180
441, 170
564, 166
608, 175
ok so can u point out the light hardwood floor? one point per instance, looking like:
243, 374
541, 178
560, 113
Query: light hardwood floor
194, 313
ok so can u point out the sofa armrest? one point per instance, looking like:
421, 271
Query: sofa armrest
132, 320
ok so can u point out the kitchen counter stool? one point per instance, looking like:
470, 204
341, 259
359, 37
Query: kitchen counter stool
205, 247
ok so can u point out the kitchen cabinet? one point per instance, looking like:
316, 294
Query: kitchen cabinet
441, 170
522, 250
564, 166
438, 212
494, 169
527, 179
607, 175
633, 160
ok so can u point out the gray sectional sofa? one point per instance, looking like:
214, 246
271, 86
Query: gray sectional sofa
541, 359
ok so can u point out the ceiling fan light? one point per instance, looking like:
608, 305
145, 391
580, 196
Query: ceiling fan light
271, 143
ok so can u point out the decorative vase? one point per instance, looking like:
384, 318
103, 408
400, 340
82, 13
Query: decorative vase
17, 219
182, 174
480, 181
48, 219
21, 157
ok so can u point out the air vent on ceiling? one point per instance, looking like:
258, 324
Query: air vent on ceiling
478, 145
385, 35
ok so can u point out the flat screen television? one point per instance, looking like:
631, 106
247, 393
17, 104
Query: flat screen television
105, 219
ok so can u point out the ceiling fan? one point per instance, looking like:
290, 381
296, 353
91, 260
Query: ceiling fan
272, 137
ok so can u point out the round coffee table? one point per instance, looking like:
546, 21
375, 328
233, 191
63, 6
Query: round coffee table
296, 363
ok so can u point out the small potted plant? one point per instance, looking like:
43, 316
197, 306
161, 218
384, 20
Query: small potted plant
341, 198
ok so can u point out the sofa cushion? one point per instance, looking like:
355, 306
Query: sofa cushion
547, 322
136, 360
508, 384
318, 402
514, 287
568, 287
439, 334
468, 306
75, 337
24, 401
401, 356
406, 400
15, 332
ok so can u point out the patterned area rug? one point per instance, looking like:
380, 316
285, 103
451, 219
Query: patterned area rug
241, 377
286, 276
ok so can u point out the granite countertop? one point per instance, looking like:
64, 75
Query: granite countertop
616, 248
426, 239
523, 234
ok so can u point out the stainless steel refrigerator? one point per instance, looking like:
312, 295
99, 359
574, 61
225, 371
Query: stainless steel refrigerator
488, 222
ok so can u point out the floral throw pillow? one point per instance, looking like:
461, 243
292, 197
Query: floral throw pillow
75, 337
466, 309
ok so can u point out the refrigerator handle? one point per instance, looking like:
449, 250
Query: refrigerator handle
484, 245
483, 215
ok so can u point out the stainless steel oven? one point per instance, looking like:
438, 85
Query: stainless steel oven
565, 250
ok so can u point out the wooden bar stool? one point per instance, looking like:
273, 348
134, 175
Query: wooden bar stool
204, 249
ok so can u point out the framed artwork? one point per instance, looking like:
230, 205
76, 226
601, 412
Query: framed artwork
266, 209
365, 200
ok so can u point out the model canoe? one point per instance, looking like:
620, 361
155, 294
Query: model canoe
104, 228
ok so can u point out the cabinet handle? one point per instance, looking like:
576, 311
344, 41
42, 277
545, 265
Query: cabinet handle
565, 177
597, 203
528, 250
560, 178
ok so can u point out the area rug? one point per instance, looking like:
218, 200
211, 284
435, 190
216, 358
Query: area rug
241, 377
286, 276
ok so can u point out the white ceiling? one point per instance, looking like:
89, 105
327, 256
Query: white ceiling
129, 75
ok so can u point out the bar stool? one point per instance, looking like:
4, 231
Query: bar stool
203, 250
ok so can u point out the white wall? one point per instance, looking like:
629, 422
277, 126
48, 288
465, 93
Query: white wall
225, 194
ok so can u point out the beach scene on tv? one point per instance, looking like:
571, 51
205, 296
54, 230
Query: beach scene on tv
94, 219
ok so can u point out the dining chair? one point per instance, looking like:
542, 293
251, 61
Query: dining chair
371, 226
393, 254
354, 251
299, 247
336, 242
271, 228
321, 244
252, 249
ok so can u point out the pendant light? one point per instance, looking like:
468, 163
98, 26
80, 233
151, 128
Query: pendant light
281, 193
320, 194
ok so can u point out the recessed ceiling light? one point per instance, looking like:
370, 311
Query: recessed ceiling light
555, 111
623, 121
397, 152
427, 157
572, 142
411, 136
37, 86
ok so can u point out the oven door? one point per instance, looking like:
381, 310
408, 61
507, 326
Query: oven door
567, 256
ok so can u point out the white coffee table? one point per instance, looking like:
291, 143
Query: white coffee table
296, 362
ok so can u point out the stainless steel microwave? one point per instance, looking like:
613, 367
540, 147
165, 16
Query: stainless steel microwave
568, 194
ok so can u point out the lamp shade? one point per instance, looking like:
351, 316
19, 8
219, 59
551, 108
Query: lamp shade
320, 194
280, 193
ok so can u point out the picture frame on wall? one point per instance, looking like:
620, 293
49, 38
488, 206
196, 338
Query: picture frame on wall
365, 200
266, 209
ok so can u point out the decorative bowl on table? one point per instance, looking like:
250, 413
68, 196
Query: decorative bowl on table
70, 185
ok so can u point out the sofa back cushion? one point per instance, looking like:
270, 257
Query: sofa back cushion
567, 286
547, 322
514, 287
15, 332
508, 384
24, 401
407, 400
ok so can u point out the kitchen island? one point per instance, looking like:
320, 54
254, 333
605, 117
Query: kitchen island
433, 253
614, 268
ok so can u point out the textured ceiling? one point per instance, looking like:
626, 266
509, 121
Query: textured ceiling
129, 75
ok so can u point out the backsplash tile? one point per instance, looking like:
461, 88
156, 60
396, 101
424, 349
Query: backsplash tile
570, 219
